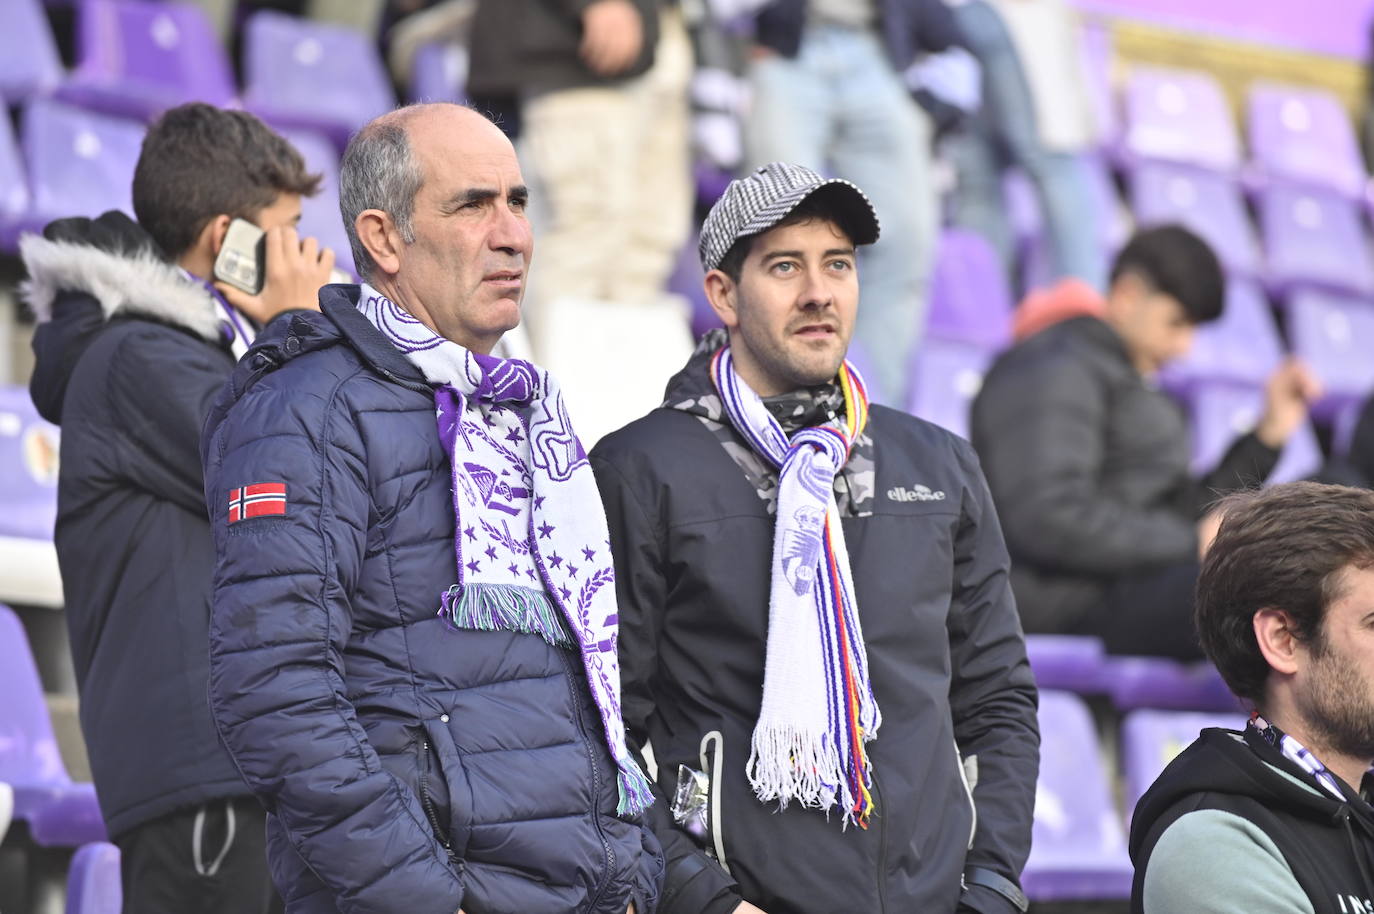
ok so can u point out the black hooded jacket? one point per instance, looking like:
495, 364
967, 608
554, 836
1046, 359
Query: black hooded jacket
1234, 825
129, 355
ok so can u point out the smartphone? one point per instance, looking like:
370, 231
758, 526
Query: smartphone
242, 260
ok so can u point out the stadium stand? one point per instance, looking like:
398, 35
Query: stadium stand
93, 885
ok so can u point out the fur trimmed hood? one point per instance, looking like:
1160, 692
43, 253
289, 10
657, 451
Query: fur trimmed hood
140, 284
75, 288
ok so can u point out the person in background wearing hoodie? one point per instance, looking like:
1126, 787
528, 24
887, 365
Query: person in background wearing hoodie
1089, 461
133, 344
1275, 818
783, 548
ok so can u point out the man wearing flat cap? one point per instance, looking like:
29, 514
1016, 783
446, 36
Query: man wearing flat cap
817, 635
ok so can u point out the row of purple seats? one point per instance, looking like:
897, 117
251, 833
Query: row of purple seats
1296, 135
1078, 663
58, 811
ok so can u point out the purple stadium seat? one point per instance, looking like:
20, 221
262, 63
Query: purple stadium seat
439, 73
28, 468
969, 298
1206, 202
29, 64
1304, 136
59, 812
1151, 739
1243, 345
80, 163
1313, 238
1222, 411
1073, 663
1158, 682
313, 75
14, 188
93, 881
138, 58
320, 214
943, 378
1179, 116
1334, 335
1078, 848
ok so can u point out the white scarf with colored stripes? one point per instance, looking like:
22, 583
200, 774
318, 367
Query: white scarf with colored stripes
818, 707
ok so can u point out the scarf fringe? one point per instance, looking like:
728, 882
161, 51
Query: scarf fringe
504, 607
636, 795
789, 765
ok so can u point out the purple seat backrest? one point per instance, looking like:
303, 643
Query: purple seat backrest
300, 73
137, 58
14, 184
28, 468
439, 73
1242, 345
1073, 801
1223, 411
29, 64
28, 749
320, 214
80, 163
1151, 739
1206, 202
93, 881
1179, 116
1305, 136
969, 297
945, 376
1334, 334
1314, 237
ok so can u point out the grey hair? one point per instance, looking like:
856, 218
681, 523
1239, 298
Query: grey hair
378, 171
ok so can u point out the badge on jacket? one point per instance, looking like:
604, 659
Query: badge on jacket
263, 499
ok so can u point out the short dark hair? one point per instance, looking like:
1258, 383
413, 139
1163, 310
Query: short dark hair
820, 206
199, 162
1280, 548
1176, 262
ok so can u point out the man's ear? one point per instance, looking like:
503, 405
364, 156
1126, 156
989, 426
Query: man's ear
211, 237
380, 238
1278, 640
723, 294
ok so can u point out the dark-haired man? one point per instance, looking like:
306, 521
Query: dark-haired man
1275, 818
1089, 462
817, 633
132, 345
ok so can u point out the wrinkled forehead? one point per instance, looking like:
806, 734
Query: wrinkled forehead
462, 149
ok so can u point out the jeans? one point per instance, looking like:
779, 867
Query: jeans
1004, 133
841, 108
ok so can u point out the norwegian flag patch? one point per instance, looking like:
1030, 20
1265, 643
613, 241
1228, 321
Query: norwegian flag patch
264, 499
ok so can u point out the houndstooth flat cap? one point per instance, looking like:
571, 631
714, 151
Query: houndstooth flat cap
761, 200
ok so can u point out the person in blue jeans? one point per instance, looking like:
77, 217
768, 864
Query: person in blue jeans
828, 93
1011, 130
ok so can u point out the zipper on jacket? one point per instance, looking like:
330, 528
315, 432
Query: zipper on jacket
596, 778
427, 802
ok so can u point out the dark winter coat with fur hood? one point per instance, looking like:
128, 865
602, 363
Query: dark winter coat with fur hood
130, 353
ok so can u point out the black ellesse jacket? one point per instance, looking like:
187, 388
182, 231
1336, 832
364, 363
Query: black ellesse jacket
693, 542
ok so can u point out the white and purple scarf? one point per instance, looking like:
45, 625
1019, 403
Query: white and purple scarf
530, 534
818, 707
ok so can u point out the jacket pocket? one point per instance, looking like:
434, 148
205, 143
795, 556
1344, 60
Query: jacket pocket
444, 790
712, 759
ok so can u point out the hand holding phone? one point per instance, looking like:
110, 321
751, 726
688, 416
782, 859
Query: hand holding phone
291, 272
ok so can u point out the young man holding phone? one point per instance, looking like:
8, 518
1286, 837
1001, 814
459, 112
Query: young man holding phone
135, 337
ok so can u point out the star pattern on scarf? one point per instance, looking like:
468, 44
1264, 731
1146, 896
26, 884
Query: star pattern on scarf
566, 593
514, 436
471, 533
529, 573
491, 553
512, 568
538, 502
589, 552
473, 566
545, 529
572, 570
555, 560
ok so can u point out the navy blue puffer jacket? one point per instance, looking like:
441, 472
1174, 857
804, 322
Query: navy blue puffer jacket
407, 767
